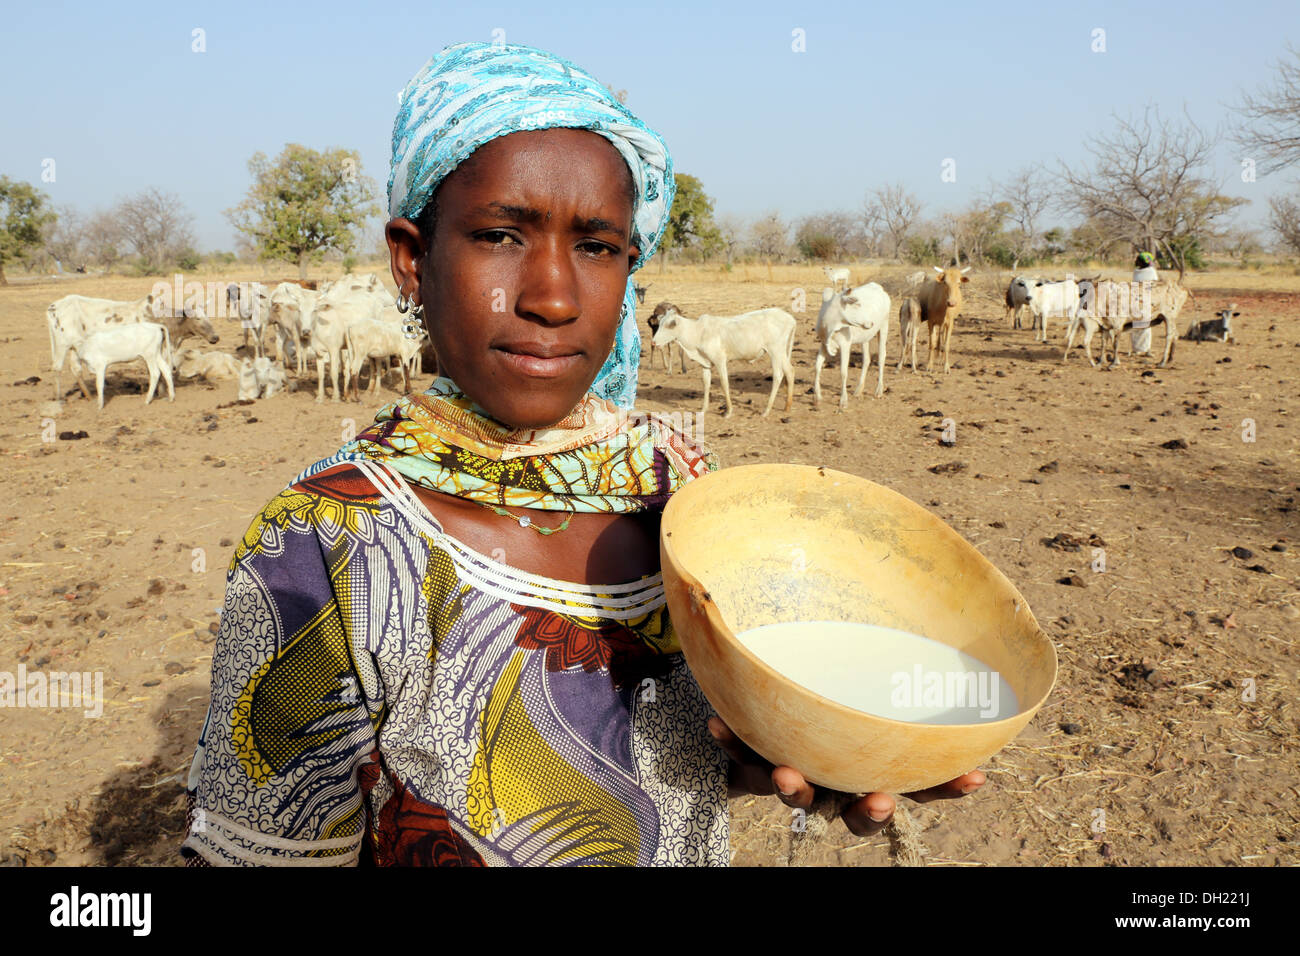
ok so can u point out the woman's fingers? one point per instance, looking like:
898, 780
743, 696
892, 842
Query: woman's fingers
966, 783
792, 788
870, 814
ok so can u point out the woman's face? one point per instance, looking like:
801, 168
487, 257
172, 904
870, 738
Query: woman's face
523, 284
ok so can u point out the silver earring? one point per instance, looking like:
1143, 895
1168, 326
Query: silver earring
403, 303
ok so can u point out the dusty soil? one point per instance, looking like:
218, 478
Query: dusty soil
1174, 711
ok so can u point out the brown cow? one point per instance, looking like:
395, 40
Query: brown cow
940, 303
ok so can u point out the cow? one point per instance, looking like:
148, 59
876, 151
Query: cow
1217, 329
713, 340
941, 301
1052, 300
662, 309
327, 340
1115, 307
210, 366
375, 340
259, 378
854, 317
836, 276
73, 317
1017, 299
126, 343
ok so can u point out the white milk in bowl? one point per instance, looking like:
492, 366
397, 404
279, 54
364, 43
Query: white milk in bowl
884, 671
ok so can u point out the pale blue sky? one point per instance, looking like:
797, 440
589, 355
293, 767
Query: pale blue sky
883, 93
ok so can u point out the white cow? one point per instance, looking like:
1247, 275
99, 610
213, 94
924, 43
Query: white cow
1115, 307
292, 310
713, 340
854, 317
328, 339
1053, 300
1018, 299
260, 378
126, 343
73, 317
375, 340
209, 366
836, 276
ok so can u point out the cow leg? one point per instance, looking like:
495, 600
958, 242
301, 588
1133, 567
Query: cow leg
320, 379
726, 385
947, 344
1171, 334
880, 365
866, 365
846, 353
934, 346
708, 378
153, 380
788, 370
776, 384
99, 386
817, 376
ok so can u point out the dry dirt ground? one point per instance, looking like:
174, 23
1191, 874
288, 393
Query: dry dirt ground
1175, 710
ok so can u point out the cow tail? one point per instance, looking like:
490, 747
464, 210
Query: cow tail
167, 348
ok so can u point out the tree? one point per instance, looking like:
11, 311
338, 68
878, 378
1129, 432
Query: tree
890, 212
103, 238
731, 229
828, 235
305, 204
770, 238
1149, 187
1024, 196
1269, 124
24, 218
156, 226
1284, 219
690, 221
65, 238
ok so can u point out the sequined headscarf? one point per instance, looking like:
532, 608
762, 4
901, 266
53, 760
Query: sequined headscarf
471, 93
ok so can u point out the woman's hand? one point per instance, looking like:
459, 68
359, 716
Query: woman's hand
750, 773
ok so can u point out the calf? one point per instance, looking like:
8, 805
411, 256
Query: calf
909, 328
1217, 329
138, 340
855, 317
209, 366
260, 378
1017, 298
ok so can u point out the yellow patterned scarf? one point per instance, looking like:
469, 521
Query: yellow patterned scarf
600, 458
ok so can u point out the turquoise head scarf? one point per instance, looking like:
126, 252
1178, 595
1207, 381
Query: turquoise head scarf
472, 93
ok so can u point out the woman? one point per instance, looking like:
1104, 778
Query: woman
1144, 270
447, 643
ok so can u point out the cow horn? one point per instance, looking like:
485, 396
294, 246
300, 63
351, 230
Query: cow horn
938, 270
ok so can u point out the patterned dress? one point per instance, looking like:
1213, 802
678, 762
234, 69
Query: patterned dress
383, 694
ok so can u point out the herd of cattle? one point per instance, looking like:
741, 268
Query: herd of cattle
344, 325
857, 317
354, 321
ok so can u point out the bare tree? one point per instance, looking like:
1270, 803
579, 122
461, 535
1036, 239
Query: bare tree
156, 226
731, 229
105, 244
1269, 124
890, 211
1149, 186
1025, 195
66, 241
1284, 219
770, 238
